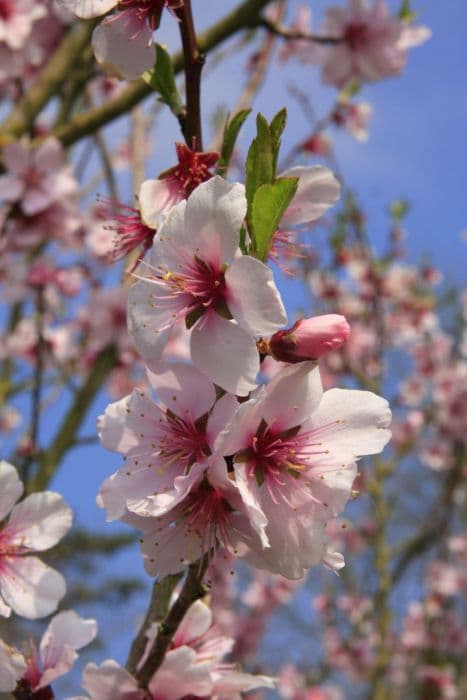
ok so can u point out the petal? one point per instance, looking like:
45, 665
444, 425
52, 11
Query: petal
88, 8
183, 389
12, 667
292, 395
253, 299
123, 47
156, 198
225, 353
109, 681
251, 497
220, 417
129, 423
317, 190
11, 488
30, 587
66, 633
356, 421
16, 158
196, 622
148, 326
182, 674
11, 188
49, 156
214, 215
40, 521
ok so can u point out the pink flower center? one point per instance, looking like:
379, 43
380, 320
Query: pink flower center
184, 442
7, 9
206, 514
130, 230
356, 35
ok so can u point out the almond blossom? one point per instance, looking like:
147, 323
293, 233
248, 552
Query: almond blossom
123, 40
294, 450
37, 178
36, 669
196, 273
28, 586
161, 443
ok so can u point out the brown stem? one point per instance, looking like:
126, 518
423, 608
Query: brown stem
193, 62
192, 591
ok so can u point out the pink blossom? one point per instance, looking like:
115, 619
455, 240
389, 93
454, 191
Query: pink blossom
354, 117
309, 338
196, 273
161, 444
29, 587
370, 47
36, 178
294, 450
16, 20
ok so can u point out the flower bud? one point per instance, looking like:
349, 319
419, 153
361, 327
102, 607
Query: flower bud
309, 338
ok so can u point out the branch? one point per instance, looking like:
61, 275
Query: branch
66, 434
192, 591
243, 17
294, 34
193, 65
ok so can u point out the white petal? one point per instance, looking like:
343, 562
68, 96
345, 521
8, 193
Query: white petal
156, 198
31, 588
66, 633
40, 521
213, 218
120, 51
11, 488
12, 667
183, 389
196, 622
88, 8
148, 328
358, 421
292, 395
181, 674
226, 354
253, 299
317, 190
109, 681
251, 496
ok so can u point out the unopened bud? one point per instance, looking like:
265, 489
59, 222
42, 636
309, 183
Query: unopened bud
310, 338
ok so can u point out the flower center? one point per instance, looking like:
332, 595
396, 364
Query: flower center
184, 442
356, 35
206, 515
203, 287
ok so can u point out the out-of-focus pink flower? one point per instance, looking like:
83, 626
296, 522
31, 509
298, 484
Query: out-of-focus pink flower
354, 117
309, 338
12, 667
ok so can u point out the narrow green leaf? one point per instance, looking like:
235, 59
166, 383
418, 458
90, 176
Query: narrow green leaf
259, 169
269, 205
276, 128
231, 131
162, 80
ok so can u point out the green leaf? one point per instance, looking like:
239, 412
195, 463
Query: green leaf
231, 131
259, 168
162, 80
269, 204
276, 128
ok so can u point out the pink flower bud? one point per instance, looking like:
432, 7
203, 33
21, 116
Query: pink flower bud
310, 338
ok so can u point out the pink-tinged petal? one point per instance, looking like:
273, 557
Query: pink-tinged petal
170, 247
251, 497
11, 188
181, 674
243, 426
297, 541
16, 159
124, 421
5, 610
156, 198
333, 560
158, 504
12, 667
357, 421
228, 683
31, 588
39, 522
167, 549
37, 199
196, 622
109, 681
331, 480
253, 299
317, 190
148, 325
66, 633
49, 156
183, 389
122, 52
214, 215
88, 8
220, 417
225, 353
292, 395
11, 488
112, 496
